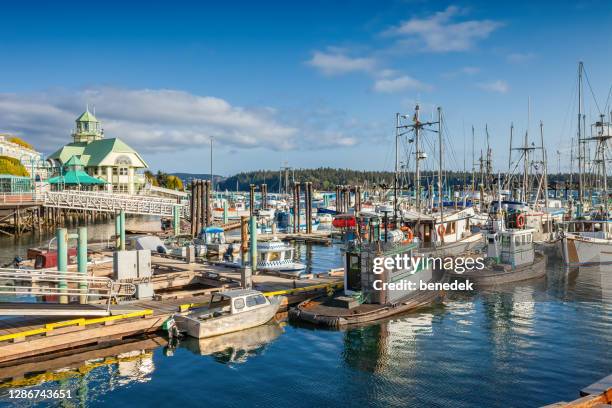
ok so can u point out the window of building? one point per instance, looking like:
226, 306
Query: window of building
123, 171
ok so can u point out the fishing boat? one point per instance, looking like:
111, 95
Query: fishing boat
511, 257
447, 234
228, 312
277, 256
586, 242
370, 294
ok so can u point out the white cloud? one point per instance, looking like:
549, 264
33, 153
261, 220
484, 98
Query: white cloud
398, 84
153, 120
470, 70
438, 33
336, 62
463, 71
520, 57
498, 86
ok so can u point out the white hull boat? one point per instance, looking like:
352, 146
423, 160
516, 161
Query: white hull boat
233, 311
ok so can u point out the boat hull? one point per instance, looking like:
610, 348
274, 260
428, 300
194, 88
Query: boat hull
313, 311
491, 276
216, 326
584, 251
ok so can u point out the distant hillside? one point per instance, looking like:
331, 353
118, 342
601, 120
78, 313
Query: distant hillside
323, 178
187, 177
326, 178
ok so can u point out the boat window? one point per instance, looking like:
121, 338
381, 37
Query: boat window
287, 255
273, 256
254, 300
250, 301
239, 303
505, 240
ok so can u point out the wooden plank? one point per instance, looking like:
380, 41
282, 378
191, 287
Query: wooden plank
598, 387
12, 351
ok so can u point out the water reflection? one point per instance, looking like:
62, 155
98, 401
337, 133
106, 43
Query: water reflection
235, 348
88, 374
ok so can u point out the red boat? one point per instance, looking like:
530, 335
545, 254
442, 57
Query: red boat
344, 221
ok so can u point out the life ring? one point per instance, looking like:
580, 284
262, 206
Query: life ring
404, 228
441, 230
409, 235
520, 221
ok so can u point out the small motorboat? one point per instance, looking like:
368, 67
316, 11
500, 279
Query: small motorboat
228, 312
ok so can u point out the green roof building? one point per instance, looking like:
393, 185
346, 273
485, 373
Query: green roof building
74, 177
110, 160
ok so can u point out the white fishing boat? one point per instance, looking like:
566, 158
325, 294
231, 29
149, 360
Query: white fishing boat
449, 234
277, 256
228, 312
586, 242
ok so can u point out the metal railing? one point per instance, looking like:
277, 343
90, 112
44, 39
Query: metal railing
95, 201
41, 282
17, 198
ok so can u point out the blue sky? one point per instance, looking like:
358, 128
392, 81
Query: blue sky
313, 83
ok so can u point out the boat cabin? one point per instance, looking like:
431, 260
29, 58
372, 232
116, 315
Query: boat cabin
431, 229
360, 276
515, 246
233, 302
213, 235
273, 253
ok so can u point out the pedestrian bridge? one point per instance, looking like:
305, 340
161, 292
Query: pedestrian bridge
109, 202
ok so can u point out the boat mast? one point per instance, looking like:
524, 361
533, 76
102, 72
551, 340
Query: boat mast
580, 141
440, 201
602, 129
473, 167
510, 159
417, 173
545, 164
395, 181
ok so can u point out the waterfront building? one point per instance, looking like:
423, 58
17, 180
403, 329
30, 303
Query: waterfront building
109, 159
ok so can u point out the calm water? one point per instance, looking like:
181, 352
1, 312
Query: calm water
526, 345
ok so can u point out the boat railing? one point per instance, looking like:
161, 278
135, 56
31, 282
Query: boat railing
40, 282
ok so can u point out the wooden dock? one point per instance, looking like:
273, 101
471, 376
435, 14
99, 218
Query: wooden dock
28, 336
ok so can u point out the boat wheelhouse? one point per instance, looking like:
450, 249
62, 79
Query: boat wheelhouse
277, 256
446, 234
511, 257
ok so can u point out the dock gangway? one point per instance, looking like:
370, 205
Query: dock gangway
107, 202
100, 292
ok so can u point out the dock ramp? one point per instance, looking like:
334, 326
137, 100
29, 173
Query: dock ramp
51, 309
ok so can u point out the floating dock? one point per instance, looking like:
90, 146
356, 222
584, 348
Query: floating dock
36, 333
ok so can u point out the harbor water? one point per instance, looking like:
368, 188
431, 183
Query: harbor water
523, 345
